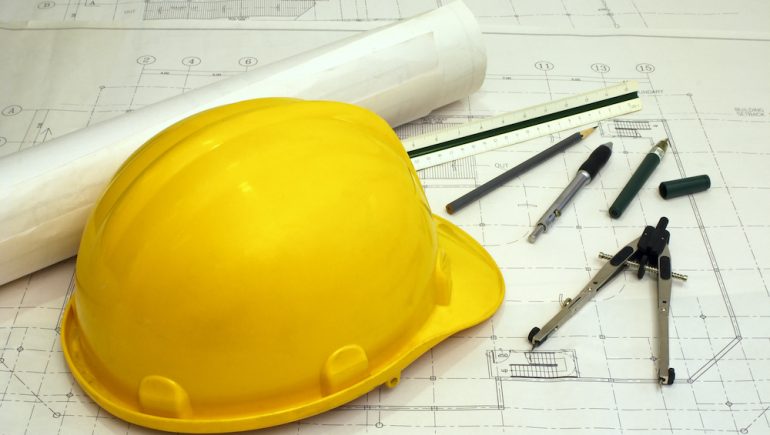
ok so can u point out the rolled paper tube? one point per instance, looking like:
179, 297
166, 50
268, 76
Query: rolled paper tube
401, 72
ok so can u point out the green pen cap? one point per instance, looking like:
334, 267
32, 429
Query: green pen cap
684, 186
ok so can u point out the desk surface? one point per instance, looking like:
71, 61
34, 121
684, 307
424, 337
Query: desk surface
702, 67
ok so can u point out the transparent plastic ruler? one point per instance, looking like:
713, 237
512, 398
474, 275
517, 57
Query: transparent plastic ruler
487, 134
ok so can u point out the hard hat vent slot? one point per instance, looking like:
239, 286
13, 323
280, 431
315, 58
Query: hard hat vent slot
163, 397
346, 366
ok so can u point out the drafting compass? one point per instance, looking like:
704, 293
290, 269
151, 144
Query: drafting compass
650, 253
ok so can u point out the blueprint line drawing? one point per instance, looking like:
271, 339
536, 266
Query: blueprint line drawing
598, 373
748, 15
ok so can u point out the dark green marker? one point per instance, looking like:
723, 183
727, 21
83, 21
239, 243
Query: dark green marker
637, 180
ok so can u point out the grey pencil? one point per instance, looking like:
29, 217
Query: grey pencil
517, 170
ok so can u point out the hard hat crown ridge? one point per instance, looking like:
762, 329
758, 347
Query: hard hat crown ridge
262, 262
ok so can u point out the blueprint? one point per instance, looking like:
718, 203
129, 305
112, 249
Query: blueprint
706, 91
746, 15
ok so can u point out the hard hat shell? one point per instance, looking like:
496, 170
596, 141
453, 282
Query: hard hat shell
262, 262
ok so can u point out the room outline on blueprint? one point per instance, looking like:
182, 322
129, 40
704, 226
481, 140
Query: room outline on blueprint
589, 14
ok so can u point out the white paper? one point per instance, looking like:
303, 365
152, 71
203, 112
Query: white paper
708, 93
401, 72
710, 15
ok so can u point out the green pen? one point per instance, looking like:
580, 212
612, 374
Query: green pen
638, 179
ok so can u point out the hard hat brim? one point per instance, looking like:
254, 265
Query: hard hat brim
476, 293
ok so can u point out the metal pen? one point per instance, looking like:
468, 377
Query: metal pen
585, 174
638, 179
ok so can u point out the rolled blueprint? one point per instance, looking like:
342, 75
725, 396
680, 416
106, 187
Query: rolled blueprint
402, 72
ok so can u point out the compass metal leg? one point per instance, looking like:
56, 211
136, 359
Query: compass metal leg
537, 336
665, 373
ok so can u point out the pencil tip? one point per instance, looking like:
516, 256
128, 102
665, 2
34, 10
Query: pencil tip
449, 209
587, 131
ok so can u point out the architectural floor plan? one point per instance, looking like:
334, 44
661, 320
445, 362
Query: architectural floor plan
707, 92
746, 15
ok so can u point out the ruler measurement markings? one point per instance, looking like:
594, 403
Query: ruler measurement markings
597, 109
476, 132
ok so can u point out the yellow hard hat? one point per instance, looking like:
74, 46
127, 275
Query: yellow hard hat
262, 262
